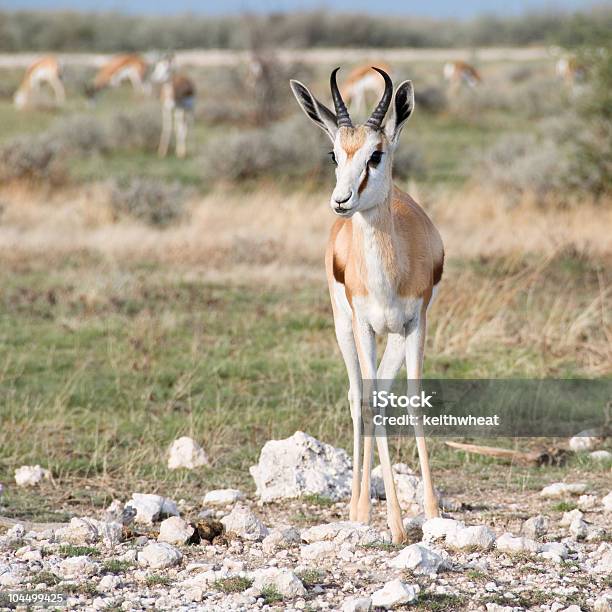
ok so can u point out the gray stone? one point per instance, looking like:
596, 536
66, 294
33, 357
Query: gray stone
509, 544
245, 524
554, 551
318, 551
535, 527
76, 567
478, 536
222, 497
186, 453
395, 593
280, 537
175, 530
563, 489
301, 465
342, 532
439, 528
283, 580
150, 507
159, 556
419, 559
357, 604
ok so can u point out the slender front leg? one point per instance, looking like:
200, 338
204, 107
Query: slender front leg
164, 140
415, 348
346, 342
180, 126
59, 91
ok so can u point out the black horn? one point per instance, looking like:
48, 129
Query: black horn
376, 118
342, 116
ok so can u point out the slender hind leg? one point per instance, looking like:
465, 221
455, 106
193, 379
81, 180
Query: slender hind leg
166, 133
415, 348
180, 126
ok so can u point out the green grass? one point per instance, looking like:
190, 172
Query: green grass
438, 602
564, 506
69, 550
271, 595
311, 577
235, 584
157, 580
101, 368
318, 500
116, 566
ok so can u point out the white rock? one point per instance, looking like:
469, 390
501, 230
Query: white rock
439, 528
408, 486
245, 524
175, 530
562, 489
280, 537
601, 455
603, 603
587, 502
578, 529
301, 465
355, 604
604, 563
509, 544
186, 453
572, 608
394, 593
554, 551
568, 517
318, 551
150, 507
109, 583
419, 559
342, 532
159, 555
478, 536
607, 502
283, 580
586, 440
222, 497
535, 527
78, 531
30, 475
76, 567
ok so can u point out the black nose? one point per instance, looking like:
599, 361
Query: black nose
348, 197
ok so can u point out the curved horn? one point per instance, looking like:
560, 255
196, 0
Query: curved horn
376, 118
342, 116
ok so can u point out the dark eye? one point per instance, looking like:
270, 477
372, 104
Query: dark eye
333, 158
375, 158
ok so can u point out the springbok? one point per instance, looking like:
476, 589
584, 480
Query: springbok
384, 262
360, 82
44, 70
457, 73
178, 99
570, 70
119, 69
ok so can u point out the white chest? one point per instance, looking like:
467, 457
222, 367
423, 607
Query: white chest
395, 315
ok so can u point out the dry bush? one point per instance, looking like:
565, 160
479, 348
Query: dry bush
81, 135
149, 200
36, 159
431, 99
137, 130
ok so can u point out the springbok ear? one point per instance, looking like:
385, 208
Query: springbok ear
318, 113
403, 105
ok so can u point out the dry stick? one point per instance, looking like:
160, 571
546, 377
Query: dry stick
545, 456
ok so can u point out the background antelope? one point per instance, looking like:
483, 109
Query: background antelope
570, 70
384, 262
178, 99
44, 70
130, 67
459, 72
360, 83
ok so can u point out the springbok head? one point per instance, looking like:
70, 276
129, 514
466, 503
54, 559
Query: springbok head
164, 67
363, 154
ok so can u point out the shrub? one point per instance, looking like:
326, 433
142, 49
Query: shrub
33, 158
288, 149
149, 200
81, 135
431, 99
136, 130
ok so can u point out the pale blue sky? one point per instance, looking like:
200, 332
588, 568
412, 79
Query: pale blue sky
429, 8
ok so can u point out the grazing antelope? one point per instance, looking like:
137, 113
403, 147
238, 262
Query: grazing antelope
384, 261
457, 73
120, 69
178, 99
44, 70
570, 70
360, 82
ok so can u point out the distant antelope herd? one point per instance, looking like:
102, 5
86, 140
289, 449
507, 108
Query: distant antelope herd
177, 92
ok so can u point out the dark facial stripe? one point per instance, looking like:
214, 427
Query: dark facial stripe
364, 182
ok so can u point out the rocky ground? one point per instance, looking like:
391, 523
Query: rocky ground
232, 552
